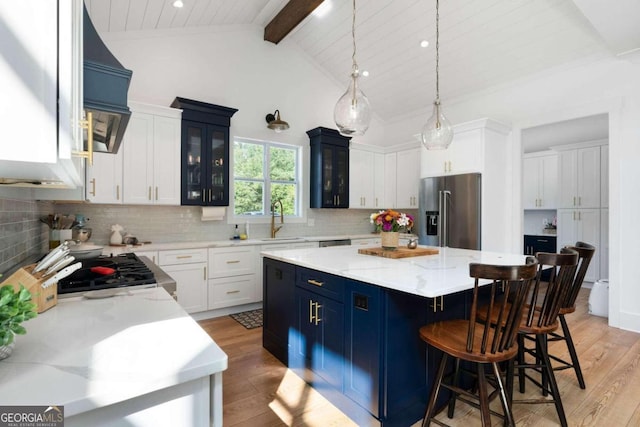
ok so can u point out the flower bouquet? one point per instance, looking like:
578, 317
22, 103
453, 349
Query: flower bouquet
390, 223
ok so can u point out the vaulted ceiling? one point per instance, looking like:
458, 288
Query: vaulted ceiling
482, 42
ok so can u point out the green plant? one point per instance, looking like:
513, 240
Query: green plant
15, 307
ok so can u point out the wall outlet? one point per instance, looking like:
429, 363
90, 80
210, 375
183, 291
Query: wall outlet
311, 222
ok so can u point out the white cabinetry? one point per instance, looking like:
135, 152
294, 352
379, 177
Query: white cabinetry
402, 176
464, 155
188, 267
604, 244
540, 181
40, 81
366, 243
579, 175
366, 179
104, 178
151, 147
232, 278
581, 225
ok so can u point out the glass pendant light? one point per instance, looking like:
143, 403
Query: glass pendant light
437, 133
352, 113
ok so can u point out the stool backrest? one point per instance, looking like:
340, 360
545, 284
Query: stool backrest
515, 282
585, 253
545, 303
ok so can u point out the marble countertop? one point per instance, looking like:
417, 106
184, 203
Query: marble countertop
428, 276
161, 246
85, 354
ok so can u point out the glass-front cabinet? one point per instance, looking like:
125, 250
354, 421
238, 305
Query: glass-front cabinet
329, 168
205, 152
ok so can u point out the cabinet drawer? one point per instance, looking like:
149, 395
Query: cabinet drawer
225, 262
230, 291
321, 283
182, 256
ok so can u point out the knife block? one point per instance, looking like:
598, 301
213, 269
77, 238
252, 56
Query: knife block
43, 298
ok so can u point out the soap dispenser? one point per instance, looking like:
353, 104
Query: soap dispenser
236, 233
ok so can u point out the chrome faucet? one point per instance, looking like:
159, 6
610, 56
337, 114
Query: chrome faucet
275, 229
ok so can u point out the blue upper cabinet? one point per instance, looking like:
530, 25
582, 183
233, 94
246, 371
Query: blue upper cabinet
205, 152
329, 171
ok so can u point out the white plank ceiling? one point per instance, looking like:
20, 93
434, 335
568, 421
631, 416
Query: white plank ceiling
482, 42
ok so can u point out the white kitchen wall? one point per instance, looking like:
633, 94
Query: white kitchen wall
235, 67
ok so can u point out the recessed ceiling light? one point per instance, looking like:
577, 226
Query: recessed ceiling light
365, 73
178, 3
424, 43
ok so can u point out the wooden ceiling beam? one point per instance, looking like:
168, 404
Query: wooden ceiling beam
288, 18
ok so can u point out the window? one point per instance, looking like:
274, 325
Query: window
264, 172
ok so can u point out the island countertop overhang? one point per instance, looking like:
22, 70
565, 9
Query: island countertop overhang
427, 276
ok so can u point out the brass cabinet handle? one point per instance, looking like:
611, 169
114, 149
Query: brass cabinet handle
318, 319
118, 192
232, 292
184, 256
574, 200
88, 125
235, 261
438, 306
149, 193
156, 193
315, 282
579, 200
311, 304
205, 273
210, 191
93, 187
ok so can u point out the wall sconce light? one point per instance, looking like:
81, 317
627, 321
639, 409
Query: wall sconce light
275, 123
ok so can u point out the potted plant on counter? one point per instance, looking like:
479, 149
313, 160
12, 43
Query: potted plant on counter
15, 307
389, 223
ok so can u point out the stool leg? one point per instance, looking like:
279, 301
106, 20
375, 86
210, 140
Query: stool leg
572, 351
434, 391
483, 396
521, 354
452, 400
504, 397
542, 341
552, 379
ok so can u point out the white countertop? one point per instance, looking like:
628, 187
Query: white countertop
85, 354
161, 246
428, 276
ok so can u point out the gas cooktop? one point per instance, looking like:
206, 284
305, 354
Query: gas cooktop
106, 272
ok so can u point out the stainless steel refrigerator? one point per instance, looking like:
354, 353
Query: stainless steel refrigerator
450, 211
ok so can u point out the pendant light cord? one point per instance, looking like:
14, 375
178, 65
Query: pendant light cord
353, 38
437, 51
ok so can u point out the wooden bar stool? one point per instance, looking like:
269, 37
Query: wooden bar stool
585, 253
541, 319
482, 343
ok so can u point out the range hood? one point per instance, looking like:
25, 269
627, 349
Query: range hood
106, 83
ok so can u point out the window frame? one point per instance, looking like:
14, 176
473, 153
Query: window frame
299, 181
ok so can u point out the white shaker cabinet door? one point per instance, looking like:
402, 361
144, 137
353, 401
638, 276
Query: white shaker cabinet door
582, 225
360, 179
191, 285
104, 178
166, 160
138, 159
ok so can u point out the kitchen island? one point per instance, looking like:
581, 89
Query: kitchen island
348, 323
133, 359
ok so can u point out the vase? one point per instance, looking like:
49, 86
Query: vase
6, 350
390, 239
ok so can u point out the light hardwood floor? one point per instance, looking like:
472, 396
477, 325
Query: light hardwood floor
260, 391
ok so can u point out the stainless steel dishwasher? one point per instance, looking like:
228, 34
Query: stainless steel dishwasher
339, 242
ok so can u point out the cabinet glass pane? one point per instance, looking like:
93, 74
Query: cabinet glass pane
194, 156
327, 175
341, 172
218, 155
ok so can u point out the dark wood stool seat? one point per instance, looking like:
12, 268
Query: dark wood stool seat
482, 343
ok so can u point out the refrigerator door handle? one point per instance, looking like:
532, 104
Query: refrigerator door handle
443, 199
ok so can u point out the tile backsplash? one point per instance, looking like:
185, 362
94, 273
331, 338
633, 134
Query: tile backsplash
21, 233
